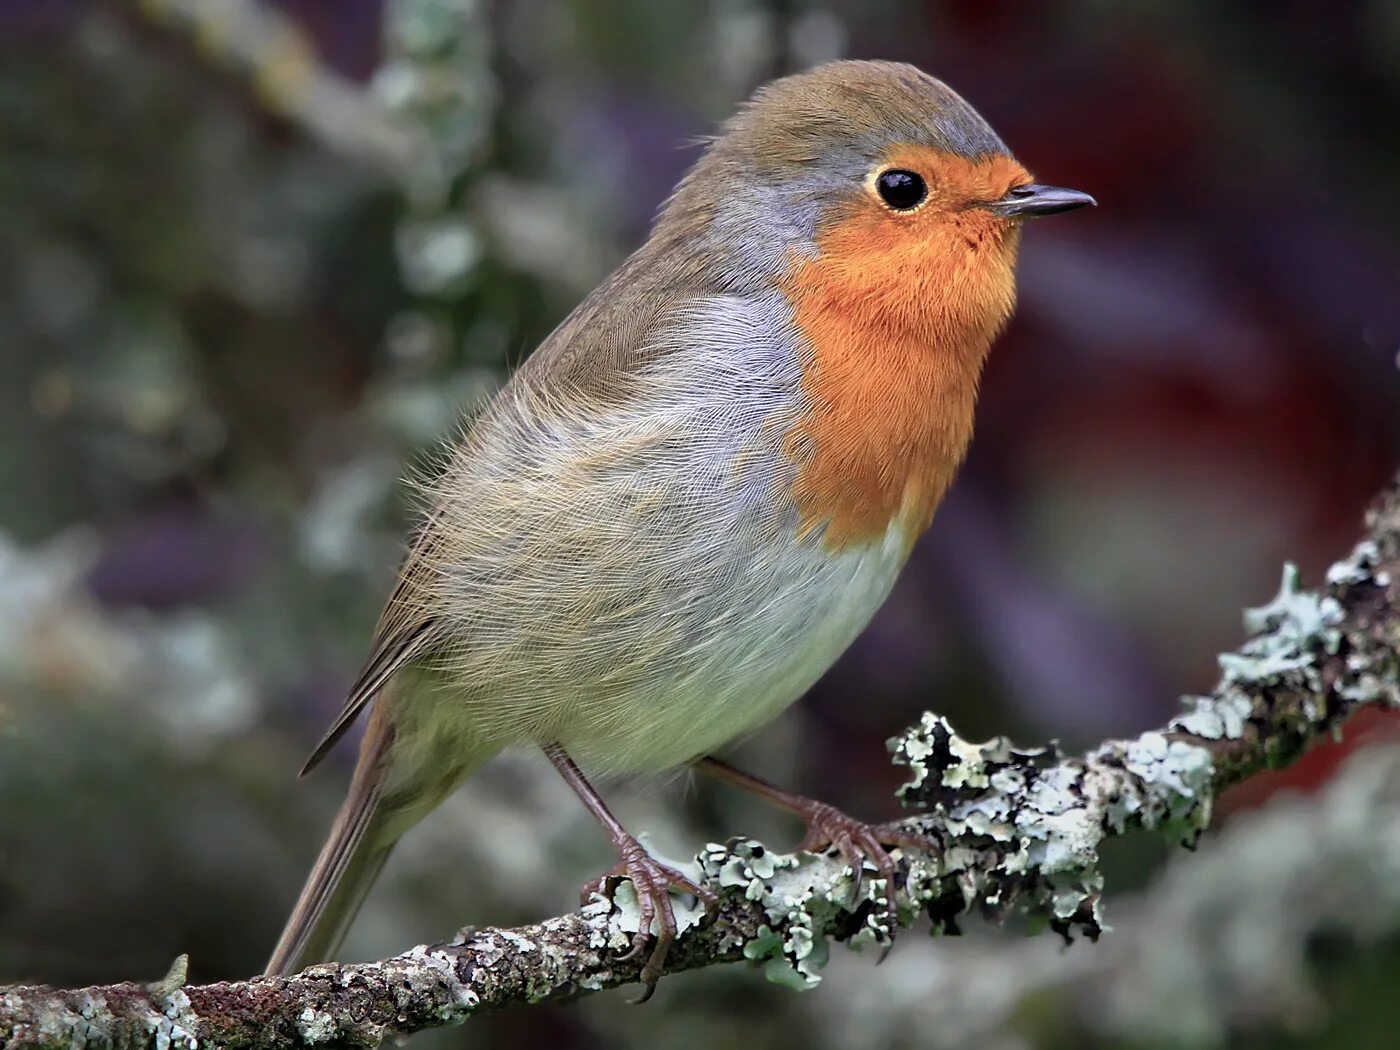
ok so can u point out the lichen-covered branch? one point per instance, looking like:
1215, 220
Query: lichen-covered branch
1241, 941
1018, 831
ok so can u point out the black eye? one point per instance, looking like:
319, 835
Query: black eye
901, 189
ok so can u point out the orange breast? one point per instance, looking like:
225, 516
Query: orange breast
898, 312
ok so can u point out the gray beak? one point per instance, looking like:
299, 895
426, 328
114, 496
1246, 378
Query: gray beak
1027, 202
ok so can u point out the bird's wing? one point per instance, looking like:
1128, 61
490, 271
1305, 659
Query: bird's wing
606, 337
402, 633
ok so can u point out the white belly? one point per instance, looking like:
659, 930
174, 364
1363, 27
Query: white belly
778, 634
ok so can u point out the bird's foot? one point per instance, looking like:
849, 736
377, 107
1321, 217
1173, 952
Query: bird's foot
859, 844
653, 882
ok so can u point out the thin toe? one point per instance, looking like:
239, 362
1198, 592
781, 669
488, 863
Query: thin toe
648, 990
858, 845
652, 882
639, 943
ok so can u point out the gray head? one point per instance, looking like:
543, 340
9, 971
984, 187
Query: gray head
807, 149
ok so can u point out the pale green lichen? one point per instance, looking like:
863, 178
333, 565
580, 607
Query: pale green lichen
1296, 619
1292, 634
688, 912
1006, 812
174, 1027
1289, 634
803, 897
1359, 567
96, 1014
1029, 814
1175, 784
461, 999
316, 1026
960, 764
784, 885
1213, 718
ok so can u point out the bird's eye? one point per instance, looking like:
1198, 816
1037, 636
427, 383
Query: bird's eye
900, 189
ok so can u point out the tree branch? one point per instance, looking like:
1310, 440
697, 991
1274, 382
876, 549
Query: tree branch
1183, 968
1018, 830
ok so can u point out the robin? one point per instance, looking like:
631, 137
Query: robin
698, 490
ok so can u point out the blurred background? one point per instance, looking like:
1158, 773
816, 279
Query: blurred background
258, 256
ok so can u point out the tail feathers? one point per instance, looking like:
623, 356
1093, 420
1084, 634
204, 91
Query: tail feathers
349, 863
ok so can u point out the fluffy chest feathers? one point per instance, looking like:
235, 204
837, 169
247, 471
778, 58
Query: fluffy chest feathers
897, 330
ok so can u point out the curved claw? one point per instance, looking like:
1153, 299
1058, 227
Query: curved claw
709, 899
648, 990
652, 881
639, 941
858, 844
829, 828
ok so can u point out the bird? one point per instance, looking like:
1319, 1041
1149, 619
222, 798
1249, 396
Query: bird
696, 492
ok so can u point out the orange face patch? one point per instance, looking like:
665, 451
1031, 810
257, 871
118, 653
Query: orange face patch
899, 310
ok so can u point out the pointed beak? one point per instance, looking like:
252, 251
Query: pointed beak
1029, 201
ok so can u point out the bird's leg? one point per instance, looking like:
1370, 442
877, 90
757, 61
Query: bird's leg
651, 879
829, 828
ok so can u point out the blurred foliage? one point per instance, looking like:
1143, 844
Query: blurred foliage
258, 259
